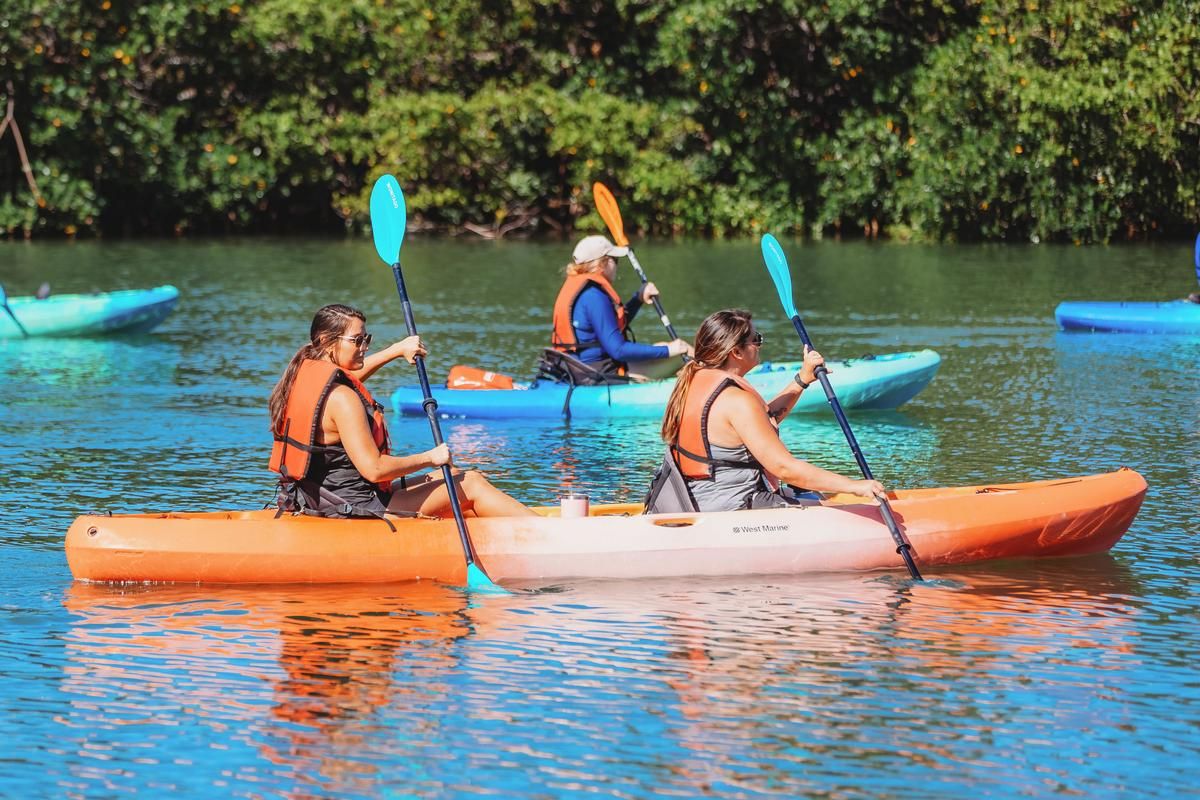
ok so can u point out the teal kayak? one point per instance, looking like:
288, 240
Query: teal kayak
870, 382
130, 311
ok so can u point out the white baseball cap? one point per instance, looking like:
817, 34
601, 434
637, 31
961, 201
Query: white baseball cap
591, 248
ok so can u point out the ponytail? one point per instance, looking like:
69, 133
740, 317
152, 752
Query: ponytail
673, 417
717, 337
279, 395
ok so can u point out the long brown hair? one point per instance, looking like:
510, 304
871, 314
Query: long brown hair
719, 334
328, 324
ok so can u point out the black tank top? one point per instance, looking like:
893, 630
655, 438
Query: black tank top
332, 469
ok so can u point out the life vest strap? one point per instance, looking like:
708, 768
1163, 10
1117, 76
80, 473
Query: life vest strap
719, 462
310, 448
575, 348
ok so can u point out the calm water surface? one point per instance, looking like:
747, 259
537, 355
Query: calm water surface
1067, 677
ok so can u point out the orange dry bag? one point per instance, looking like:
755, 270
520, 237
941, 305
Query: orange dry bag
463, 377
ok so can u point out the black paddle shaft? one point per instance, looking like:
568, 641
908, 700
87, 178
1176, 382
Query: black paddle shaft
25, 333
13, 316
903, 546
658, 309
430, 406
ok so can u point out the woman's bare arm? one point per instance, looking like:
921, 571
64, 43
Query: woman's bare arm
744, 415
345, 411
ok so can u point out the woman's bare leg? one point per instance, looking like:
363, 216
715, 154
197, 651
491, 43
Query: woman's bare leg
475, 493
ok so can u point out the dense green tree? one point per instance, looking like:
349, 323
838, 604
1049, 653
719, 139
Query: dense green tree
939, 119
1076, 120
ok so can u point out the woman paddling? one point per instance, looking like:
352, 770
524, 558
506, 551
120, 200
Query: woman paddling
591, 323
331, 442
722, 436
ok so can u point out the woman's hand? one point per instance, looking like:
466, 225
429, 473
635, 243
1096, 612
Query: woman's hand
408, 349
812, 360
679, 348
439, 456
866, 488
649, 292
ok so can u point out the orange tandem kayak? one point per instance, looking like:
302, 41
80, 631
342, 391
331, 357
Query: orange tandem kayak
1071, 516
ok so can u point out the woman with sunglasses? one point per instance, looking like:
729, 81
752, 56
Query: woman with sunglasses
331, 442
723, 436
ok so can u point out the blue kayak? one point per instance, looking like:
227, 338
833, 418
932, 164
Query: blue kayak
131, 311
874, 382
1176, 316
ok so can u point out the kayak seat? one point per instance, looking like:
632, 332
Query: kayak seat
563, 367
669, 492
306, 497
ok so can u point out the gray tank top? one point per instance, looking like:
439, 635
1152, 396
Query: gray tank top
730, 487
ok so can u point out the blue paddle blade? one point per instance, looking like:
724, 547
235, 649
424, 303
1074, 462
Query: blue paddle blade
1197, 257
389, 216
478, 581
777, 266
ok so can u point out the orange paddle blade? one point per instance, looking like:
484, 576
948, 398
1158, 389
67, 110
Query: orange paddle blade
606, 204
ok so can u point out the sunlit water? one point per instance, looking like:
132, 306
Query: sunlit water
1068, 677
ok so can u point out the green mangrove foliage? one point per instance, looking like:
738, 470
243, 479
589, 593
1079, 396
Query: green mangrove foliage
936, 119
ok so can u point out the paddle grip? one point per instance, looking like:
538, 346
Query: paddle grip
430, 406
903, 546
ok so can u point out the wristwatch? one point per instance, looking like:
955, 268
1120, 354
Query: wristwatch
801, 383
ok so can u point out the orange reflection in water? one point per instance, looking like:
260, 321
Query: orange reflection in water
325, 657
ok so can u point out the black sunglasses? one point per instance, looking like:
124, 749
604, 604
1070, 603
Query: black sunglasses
361, 340
756, 339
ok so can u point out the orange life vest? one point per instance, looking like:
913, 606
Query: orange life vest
295, 439
693, 452
563, 337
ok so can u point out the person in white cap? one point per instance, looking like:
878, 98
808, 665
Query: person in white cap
592, 323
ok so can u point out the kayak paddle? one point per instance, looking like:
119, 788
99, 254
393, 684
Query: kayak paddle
606, 204
389, 216
777, 266
17, 322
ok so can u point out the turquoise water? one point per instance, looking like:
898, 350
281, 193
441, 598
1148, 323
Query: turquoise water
1045, 678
